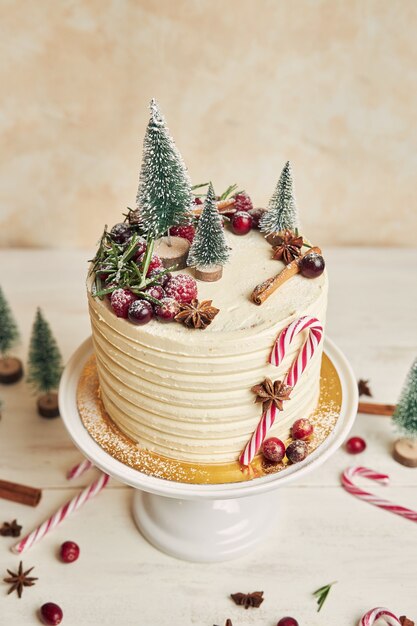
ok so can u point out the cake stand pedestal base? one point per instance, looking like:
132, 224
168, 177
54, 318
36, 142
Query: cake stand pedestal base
204, 531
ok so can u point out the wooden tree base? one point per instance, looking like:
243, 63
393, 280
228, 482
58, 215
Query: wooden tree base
208, 274
405, 452
48, 405
173, 252
11, 370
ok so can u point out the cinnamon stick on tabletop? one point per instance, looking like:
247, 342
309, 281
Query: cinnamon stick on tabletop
20, 493
374, 408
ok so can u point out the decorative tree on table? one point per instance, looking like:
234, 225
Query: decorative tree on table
209, 250
282, 209
11, 369
164, 196
405, 418
45, 366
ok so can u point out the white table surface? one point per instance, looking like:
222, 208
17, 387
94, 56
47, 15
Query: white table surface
322, 533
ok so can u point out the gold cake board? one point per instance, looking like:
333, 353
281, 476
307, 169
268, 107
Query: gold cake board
109, 437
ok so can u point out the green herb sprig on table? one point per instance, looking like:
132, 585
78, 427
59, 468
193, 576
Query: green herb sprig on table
322, 593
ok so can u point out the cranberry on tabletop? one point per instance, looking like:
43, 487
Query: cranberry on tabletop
182, 288
297, 451
120, 233
51, 614
140, 312
69, 551
287, 621
302, 429
273, 449
167, 309
355, 445
120, 301
312, 265
241, 223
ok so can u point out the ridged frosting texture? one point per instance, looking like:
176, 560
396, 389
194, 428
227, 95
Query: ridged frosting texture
186, 393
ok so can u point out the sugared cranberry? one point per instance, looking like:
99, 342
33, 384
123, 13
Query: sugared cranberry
302, 429
287, 621
241, 223
155, 291
140, 249
297, 451
243, 202
69, 551
162, 279
186, 232
51, 614
273, 449
198, 201
182, 287
155, 264
120, 301
355, 445
167, 309
312, 265
140, 312
120, 233
256, 215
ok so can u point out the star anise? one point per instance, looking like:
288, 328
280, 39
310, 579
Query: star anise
405, 621
287, 246
271, 393
20, 579
197, 314
253, 599
363, 388
11, 529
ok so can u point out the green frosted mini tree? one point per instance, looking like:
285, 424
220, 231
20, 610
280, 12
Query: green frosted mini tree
282, 209
9, 333
209, 246
164, 196
45, 362
405, 415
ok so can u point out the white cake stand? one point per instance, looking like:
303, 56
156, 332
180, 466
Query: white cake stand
204, 522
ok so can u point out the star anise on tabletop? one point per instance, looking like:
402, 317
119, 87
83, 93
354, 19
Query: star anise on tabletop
20, 579
287, 246
405, 621
10, 529
271, 393
197, 314
363, 388
253, 599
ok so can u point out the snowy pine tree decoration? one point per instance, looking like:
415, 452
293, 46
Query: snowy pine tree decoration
9, 333
282, 209
164, 196
45, 363
209, 247
405, 415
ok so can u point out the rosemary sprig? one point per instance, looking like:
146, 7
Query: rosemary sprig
322, 593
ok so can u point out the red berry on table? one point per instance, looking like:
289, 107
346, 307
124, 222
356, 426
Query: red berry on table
256, 215
242, 202
155, 264
69, 551
297, 451
51, 614
302, 429
186, 232
120, 301
312, 265
287, 621
167, 309
140, 312
273, 449
120, 233
182, 287
155, 291
241, 223
355, 445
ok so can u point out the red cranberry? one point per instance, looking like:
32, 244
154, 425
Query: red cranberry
287, 621
241, 223
167, 309
182, 287
51, 614
69, 551
302, 429
162, 279
198, 201
120, 301
355, 445
297, 451
312, 265
140, 249
140, 312
256, 215
273, 449
120, 233
155, 291
155, 264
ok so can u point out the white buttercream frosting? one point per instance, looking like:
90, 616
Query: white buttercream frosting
186, 393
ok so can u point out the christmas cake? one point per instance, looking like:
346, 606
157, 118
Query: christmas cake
207, 317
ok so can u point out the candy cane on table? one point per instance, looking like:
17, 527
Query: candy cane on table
382, 479
278, 352
64, 511
379, 613
79, 469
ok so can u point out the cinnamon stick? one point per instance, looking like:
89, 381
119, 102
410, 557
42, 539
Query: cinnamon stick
20, 493
374, 408
265, 289
223, 206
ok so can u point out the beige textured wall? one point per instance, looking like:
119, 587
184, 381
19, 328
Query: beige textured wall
244, 84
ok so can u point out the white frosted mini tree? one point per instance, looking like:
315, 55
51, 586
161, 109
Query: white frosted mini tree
282, 209
405, 415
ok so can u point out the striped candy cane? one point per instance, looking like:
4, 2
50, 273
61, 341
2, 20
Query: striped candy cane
79, 469
382, 479
379, 613
63, 512
276, 357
